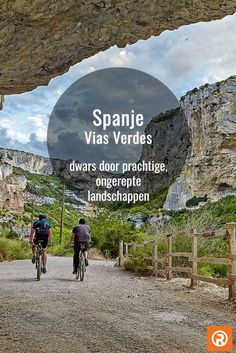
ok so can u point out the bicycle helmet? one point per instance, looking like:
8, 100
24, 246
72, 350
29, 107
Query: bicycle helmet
42, 216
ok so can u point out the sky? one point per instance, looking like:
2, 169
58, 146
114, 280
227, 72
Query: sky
182, 59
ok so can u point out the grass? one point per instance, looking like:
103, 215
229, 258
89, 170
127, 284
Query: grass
169, 114
47, 185
13, 249
208, 247
111, 226
61, 250
150, 208
211, 216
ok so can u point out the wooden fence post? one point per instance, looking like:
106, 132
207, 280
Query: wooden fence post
169, 271
231, 228
121, 252
155, 258
194, 260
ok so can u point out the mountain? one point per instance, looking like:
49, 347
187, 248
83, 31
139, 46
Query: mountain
198, 142
29, 178
26, 161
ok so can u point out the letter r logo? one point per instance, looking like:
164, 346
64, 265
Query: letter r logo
219, 339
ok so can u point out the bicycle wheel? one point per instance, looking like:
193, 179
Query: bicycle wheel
81, 267
39, 266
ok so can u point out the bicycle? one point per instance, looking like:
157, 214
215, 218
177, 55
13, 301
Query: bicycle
39, 259
81, 268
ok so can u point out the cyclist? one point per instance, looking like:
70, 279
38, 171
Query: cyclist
41, 230
81, 234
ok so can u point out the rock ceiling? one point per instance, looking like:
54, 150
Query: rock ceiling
41, 39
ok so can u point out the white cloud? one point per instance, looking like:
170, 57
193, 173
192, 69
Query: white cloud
182, 59
89, 69
5, 122
36, 120
16, 135
123, 58
41, 134
39, 124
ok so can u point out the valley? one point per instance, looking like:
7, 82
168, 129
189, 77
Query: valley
197, 191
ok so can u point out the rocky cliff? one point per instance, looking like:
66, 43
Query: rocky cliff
197, 141
170, 145
41, 39
11, 189
80, 182
26, 161
209, 166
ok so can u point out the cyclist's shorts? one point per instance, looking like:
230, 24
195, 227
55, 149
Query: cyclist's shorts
78, 245
41, 237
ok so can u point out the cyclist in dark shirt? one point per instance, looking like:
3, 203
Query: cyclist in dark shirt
81, 234
41, 230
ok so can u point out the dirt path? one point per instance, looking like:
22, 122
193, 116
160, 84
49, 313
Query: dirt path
112, 311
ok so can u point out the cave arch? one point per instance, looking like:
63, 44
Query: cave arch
41, 39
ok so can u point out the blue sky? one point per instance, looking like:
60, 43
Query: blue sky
181, 59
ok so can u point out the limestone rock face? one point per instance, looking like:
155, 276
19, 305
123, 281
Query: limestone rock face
35, 164
26, 161
179, 193
197, 141
170, 145
5, 171
210, 167
41, 39
11, 190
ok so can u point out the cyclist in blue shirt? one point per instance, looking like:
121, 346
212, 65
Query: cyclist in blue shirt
41, 230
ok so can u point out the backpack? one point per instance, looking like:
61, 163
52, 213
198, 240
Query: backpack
42, 228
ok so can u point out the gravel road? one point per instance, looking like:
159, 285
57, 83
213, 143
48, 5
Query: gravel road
112, 311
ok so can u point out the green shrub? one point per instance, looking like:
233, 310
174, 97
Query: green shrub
61, 250
12, 235
13, 250
149, 208
216, 271
4, 232
206, 270
108, 230
129, 265
207, 247
137, 264
194, 201
26, 218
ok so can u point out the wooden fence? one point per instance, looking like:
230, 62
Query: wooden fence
153, 261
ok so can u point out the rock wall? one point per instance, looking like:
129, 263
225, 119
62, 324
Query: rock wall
11, 189
26, 161
197, 141
41, 39
82, 181
210, 167
171, 142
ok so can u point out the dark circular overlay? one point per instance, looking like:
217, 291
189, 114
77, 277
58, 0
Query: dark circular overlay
111, 91
103, 117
